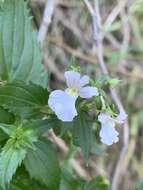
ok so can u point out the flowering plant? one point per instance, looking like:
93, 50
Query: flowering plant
79, 114
63, 105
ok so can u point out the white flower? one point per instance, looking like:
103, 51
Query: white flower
63, 105
108, 133
63, 102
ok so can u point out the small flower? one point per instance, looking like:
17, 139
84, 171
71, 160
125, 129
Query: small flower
63, 102
108, 133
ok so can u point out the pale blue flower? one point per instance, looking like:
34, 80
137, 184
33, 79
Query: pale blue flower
108, 133
63, 102
63, 105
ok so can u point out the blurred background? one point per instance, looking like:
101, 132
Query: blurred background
69, 38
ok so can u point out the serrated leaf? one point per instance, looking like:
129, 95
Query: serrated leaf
10, 159
82, 133
20, 57
14, 152
24, 100
47, 169
98, 183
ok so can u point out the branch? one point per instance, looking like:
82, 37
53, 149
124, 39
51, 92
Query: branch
115, 12
98, 38
74, 52
48, 13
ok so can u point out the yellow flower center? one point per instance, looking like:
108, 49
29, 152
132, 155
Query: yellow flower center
72, 91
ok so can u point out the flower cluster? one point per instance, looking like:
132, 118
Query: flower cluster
63, 103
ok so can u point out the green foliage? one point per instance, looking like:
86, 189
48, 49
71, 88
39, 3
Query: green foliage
14, 152
42, 164
7, 129
3, 136
41, 126
21, 181
20, 57
23, 100
98, 150
113, 82
5, 116
69, 181
98, 183
10, 159
82, 133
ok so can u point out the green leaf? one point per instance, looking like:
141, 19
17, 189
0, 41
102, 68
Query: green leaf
10, 159
24, 100
20, 57
14, 152
98, 183
82, 133
20, 185
98, 150
22, 181
5, 116
47, 169
69, 181
3, 136
113, 82
7, 129
41, 126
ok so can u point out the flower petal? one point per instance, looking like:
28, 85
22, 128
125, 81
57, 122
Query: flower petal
63, 105
103, 118
121, 117
72, 78
88, 92
108, 134
84, 80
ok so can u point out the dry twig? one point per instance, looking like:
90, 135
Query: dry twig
48, 13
